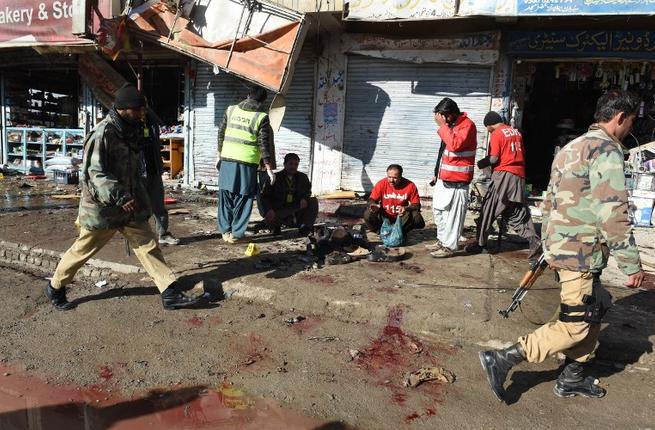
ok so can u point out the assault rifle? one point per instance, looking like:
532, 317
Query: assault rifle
536, 269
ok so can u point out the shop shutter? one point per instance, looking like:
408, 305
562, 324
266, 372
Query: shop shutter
212, 94
295, 134
389, 116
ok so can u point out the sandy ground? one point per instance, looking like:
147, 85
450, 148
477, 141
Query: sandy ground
366, 326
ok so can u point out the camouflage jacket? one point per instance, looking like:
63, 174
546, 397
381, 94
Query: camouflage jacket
586, 206
110, 176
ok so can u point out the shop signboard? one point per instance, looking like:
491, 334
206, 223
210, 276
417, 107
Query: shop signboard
555, 7
372, 10
588, 43
37, 22
584, 7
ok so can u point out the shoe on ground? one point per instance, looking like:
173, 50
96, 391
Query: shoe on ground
58, 298
228, 238
382, 254
337, 257
172, 298
168, 239
434, 246
443, 253
474, 248
359, 253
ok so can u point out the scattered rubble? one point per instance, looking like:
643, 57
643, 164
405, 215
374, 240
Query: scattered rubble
425, 374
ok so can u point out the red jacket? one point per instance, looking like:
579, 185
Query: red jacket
459, 155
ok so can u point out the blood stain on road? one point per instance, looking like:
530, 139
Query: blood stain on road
254, 351
394, 353
196, 321
106, 372
29, 403
411, 417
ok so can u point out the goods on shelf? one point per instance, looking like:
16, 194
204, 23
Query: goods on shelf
29, 148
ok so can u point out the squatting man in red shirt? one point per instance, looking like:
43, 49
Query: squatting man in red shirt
505, 196
394, 197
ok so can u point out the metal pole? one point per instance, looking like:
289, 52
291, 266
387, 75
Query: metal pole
139, 67
236, 36
3, 115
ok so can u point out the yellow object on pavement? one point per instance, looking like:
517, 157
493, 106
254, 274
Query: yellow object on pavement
252, 250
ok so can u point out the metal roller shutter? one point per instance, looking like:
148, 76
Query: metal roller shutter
295, 134
212, 94
389, 116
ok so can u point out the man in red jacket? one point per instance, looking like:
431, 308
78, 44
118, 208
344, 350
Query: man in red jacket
505, 196
453, 174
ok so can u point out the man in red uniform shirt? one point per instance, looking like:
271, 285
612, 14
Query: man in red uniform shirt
394, 197
453, 174
505, 196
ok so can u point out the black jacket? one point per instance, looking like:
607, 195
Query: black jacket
275, 196
152, 147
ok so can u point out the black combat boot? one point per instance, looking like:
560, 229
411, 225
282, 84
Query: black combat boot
496, 363
58, 298
572, 383
172, 298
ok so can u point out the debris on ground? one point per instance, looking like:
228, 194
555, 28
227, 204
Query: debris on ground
179, 211
337, 257
359, 253
425, 374
66, 196
295, 320
101, 284
323, 338
355, 354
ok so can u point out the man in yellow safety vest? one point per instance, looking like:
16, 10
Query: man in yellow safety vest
244, 141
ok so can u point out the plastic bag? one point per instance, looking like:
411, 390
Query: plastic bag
392, 234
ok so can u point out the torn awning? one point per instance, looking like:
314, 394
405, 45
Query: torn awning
255, 41
98, 75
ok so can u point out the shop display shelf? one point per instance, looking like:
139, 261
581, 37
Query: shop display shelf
31, 144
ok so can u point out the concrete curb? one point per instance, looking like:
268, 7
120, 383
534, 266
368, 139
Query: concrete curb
24, 256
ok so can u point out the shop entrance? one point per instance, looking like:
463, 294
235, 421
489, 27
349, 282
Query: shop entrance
557, 101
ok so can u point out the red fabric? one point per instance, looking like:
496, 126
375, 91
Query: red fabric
507, 144
391, 198
461, 138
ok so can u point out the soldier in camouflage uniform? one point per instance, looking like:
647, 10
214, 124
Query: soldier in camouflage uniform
114, 199
585, 219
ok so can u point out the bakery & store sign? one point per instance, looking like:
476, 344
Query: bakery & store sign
37, 22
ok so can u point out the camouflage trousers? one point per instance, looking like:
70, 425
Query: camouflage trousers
576, 340
140, 237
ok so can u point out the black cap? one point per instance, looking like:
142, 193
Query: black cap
492, 118
128, 96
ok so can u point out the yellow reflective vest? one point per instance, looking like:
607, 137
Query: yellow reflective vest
240, 142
